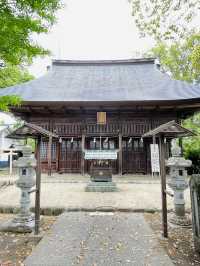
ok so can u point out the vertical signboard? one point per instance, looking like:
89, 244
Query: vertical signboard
155, 160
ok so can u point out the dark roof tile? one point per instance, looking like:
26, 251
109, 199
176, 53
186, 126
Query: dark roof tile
104, 81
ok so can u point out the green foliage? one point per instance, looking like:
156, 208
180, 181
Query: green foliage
19, 20
181, 59
172, 25
31, 142
6, 101
12, 75
165, 20
9, 76
192, 144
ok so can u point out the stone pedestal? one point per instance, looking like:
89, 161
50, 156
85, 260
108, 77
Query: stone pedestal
19, 225
101, 187
24, 222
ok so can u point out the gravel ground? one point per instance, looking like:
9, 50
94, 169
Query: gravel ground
14, 248
179, 245
73, 196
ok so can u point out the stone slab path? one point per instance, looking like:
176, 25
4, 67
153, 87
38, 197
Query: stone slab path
99, 239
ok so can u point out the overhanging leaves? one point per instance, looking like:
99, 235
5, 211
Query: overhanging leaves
19, 19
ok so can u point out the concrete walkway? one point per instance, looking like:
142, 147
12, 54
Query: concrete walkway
99, 239
134, 196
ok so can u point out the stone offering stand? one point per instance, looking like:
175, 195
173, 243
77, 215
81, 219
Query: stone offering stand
101, 170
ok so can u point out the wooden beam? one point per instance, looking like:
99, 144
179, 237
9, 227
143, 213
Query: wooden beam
38, 185
120, 154
49, 155
37, 109
163, 185
46, 108
65, 110
82, 109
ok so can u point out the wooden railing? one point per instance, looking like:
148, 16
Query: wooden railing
68, 129
125, 128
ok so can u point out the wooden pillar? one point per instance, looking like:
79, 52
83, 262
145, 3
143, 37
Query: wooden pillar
38, 185
58, 144
82, 154
120, 154
49, 155
154, 142
163, 185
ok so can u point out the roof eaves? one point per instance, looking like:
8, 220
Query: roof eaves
33, 131
165, 130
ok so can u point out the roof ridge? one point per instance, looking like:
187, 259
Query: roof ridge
99, 62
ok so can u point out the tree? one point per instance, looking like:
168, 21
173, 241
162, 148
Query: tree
6, 101
11, 75
172, 25
19, 20
165, 20
183, 62
192, 145
181, 59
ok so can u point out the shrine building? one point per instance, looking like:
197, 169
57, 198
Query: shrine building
103, 105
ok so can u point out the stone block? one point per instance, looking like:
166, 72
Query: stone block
101, 187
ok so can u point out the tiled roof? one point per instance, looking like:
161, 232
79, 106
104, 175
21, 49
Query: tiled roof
93, 81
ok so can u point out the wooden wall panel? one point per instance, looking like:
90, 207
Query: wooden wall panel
128, 124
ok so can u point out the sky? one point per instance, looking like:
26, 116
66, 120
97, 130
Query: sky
91, 29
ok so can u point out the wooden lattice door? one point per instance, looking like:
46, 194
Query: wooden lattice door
44, 156
133, 156
70, 156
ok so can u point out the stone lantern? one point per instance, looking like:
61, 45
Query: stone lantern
178, 183
24, 222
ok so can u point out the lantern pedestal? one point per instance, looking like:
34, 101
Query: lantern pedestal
180, 221
19, 225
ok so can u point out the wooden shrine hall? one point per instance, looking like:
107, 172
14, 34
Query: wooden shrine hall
102, 105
